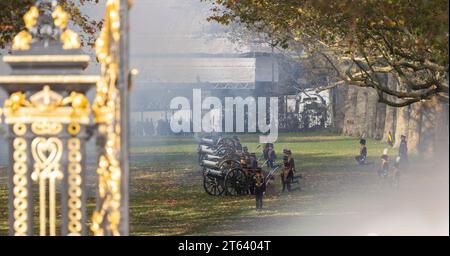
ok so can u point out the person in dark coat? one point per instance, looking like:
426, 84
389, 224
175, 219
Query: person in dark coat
287, 174
260, 188
271, 156
266, 151
361, 158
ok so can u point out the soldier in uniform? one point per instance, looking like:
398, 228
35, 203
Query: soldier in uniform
287, 174
361, 158
260, 187
288, 153
271, 156
266, 150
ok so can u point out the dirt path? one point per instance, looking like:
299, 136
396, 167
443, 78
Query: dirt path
356, 205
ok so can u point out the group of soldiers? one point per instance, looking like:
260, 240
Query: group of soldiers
384, 171
288, 167
286, 175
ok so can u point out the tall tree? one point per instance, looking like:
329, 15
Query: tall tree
406, 37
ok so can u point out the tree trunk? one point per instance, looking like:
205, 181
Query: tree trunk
339, 107
350, 112
381, 119
442, 131
371, 113
391, 112
428, 134
402, 124
401, 127
414, 127
361, 112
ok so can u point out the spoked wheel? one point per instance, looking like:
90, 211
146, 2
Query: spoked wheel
224, 151
213, 185
229, 164
236, 182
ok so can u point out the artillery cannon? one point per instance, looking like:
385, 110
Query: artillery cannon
204, 151
224, 176
218, 146
226, 167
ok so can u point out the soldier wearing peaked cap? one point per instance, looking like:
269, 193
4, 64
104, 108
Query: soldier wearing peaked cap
287, 175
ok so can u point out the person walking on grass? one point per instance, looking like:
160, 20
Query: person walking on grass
260, 188
361, 158
268, 153
287, 174
271, 156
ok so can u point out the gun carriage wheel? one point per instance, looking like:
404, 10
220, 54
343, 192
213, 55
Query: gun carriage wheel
236, 182
213, 182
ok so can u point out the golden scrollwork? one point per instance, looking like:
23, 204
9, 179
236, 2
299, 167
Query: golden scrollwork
74, 187
20, 201
47, 106
46, 128
47, 155
106, 107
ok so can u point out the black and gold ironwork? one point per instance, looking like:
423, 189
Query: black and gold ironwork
106, 218
49, 121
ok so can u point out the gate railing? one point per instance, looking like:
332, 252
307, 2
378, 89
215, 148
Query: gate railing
49, 121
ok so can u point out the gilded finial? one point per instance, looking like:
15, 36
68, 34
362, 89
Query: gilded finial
60, 17
70, 40
22, 41
31, 17
16, 101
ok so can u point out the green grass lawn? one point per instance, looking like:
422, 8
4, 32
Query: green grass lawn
166, 192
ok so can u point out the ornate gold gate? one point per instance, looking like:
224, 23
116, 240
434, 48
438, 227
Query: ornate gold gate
49, 120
